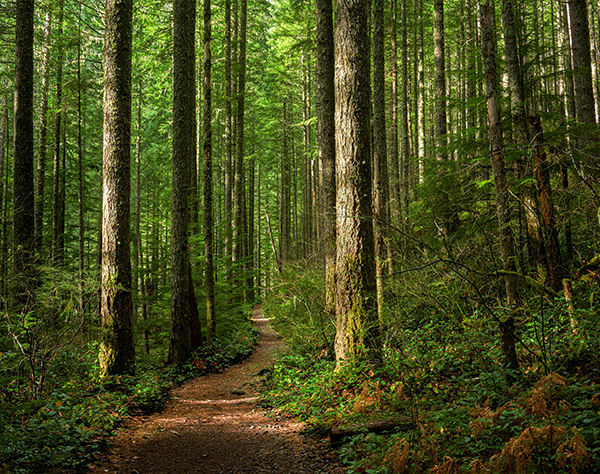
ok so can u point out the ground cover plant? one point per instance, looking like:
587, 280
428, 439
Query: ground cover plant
63, 425
446, 401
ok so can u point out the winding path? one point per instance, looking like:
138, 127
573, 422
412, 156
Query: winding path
212, 426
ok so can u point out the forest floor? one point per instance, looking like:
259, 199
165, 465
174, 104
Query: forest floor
213, 425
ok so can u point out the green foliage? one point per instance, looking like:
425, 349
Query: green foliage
62, 427
296, 309
442, 370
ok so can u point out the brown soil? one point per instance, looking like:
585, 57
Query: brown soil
212, 425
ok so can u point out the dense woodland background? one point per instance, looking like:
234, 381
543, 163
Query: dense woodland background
473, 313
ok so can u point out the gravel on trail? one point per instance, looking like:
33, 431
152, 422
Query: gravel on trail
212, 425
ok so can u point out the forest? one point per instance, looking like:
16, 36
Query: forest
410, 188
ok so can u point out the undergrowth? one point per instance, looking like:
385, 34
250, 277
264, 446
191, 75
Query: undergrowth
69, 423
448, 403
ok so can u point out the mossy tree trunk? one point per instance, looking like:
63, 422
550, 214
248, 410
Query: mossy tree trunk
326, 140
23, 200
582, 67
209, 277
356, 307
58, 173
380, 164
184, 127
117, 350
40, 180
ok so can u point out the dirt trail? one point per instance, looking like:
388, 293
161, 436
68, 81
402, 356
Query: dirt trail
211, 425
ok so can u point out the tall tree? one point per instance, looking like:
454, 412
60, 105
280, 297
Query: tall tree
404, 137
380, 165
521, 133
326, 139
209, 278
582, 78
184, 27
507, 326
57, 202
285, 196
80, 171
23, 220
4, 139
40, 178
228, 184
356, 309
240, 233
439, 52
117, 350
394, 167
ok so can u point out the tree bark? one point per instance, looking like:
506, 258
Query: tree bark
582, 78
356, 309
228, 191
40, 179
555, 268
5, 238
394, 167
380, 165
4, 140
80, 180
209, 277
326, 140
507, 326
23, 200
285, 198
117, 350
184, 26
521, 136
57, 239
240, 233
443, 205
404, 138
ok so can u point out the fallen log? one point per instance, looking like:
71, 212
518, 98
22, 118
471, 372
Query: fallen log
404, 423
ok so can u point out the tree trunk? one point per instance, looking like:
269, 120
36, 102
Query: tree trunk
356, 309
259, 280
545, 194
420, 88
521, 135
307, 201
502, 203
137, 238
380, 165
326, 141
443, 205
285, 199
582, 78
404, 139
240, 233
184, 26
228, 200
80, 181
23, 219
117, 350
57, 250
4, 140
209, 277
5, 238
40, 179
250, 257
394, 168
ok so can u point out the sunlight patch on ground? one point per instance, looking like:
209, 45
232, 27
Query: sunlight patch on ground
219, 402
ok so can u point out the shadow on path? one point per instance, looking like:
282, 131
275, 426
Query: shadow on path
211, 425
